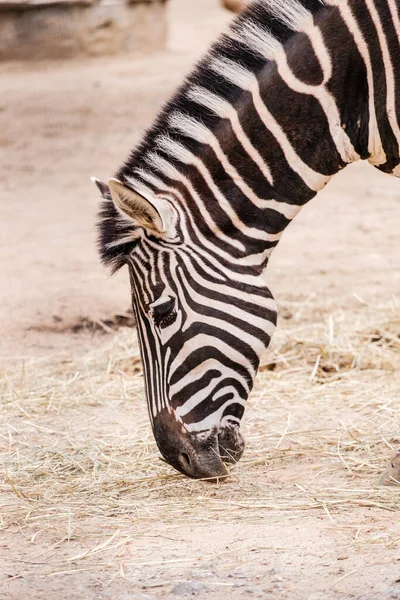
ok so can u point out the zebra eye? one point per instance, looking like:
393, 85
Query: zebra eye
163, 312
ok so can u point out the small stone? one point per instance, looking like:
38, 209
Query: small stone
188, 588
135, 597
238, 573
201, 574
391, 475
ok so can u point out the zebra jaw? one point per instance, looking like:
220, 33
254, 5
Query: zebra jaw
205, 455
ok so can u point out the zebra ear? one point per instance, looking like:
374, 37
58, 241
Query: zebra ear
151, 215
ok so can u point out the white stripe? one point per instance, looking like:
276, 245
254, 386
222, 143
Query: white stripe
247, 278
231, 310
375, 148
225, 110
199, 397
328, 104
200, 370
389, 74
321, 51
192, 128
254, 38
181, 153
395, 16
225, 290
238, 75
214, 418
292, 14
167, 169
259, 40
201, 340
247, 260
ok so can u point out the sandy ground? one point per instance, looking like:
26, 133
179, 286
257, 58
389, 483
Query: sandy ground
60, 123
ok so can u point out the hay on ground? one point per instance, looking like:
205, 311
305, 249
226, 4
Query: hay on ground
79, 461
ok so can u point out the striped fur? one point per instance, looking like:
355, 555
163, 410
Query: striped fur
291, 94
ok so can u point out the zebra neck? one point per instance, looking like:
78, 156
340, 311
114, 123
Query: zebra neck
254, 159
264, 123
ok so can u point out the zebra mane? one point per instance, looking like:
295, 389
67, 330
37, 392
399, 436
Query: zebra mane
200, 104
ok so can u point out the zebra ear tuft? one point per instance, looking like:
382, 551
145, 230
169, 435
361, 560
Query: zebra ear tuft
143, 212
102, 187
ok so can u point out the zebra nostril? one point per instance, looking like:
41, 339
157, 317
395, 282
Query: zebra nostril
185, 461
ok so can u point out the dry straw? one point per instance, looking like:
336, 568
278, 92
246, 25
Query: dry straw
79, 461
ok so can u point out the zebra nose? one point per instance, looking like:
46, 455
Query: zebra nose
199, 456
203, 464
185, 461
207, 456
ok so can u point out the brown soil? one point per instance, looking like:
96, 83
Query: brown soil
60, 123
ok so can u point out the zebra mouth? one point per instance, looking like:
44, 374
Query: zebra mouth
225, 442
230, 443
203, 455
210, 454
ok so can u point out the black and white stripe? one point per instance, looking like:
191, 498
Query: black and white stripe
294, 91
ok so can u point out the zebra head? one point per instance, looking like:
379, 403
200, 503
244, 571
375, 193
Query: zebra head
202, 328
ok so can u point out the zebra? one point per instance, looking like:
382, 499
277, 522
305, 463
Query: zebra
289, 95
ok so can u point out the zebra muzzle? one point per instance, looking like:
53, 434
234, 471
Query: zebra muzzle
206, 455
213, 452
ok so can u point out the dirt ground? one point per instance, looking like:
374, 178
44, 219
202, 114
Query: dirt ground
60, 123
